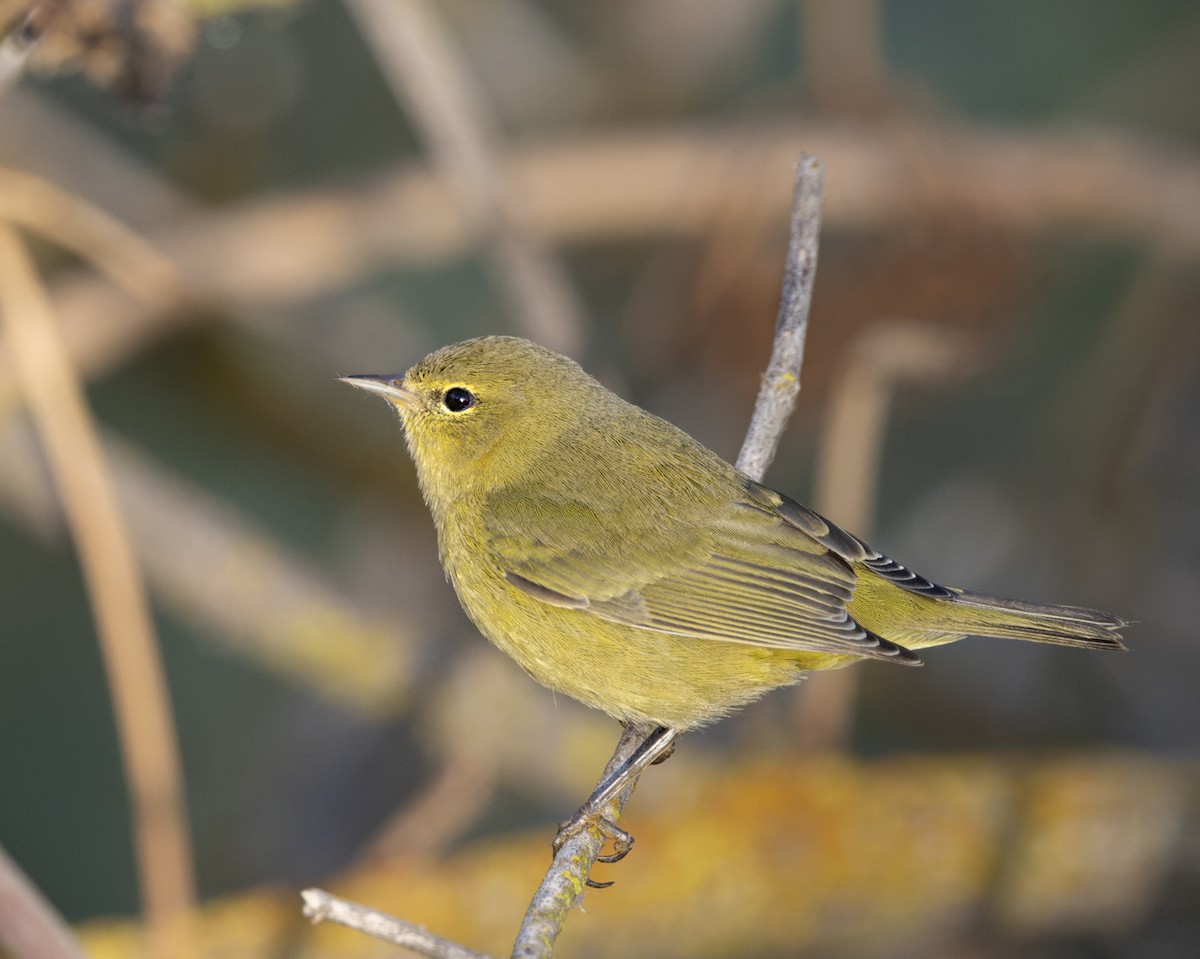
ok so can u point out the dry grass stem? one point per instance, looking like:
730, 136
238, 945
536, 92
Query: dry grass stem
87, 231
212, 564
431, 79
140, 698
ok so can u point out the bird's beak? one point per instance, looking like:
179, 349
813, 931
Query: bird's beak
391, 388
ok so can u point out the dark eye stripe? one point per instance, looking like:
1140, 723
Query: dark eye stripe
458, 399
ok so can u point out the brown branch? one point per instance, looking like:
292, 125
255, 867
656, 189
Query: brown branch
140, 697
282, 251
271, 615
38, 133
30, 927
87, 231
217, 567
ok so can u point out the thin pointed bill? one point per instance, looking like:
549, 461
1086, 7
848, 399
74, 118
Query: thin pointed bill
391, 388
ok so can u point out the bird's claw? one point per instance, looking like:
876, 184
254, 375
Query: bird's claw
586, 818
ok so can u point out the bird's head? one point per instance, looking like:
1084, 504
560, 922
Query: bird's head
480, 413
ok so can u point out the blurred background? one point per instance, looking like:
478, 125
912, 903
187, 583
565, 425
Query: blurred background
229, 205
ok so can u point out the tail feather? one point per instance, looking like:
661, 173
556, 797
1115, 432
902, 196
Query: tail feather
1040, 623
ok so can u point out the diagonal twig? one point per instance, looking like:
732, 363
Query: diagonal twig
418, 59
781, 382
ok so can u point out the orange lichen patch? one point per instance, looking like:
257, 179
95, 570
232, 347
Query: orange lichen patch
773, 856
1092, 840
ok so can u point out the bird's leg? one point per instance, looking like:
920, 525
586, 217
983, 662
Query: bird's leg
657, 746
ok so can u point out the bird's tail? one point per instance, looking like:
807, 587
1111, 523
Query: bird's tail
929, 615
978, 615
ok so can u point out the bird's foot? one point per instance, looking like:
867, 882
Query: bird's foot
589, 817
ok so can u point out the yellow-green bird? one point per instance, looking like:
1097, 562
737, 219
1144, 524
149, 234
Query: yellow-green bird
621, 562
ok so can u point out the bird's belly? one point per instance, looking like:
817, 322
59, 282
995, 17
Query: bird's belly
633, 674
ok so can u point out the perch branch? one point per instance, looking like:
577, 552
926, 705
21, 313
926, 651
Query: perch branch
781, 382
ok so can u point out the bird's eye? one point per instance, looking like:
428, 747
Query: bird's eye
457, 399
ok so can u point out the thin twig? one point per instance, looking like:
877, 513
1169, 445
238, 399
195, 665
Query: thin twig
427, 74
320, 906
30, 927
781, 382
139, 692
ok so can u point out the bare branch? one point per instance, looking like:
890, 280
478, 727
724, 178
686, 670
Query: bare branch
320, 906
213, 564
102, 240
781, 382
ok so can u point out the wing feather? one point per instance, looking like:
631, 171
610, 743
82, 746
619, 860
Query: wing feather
765, 575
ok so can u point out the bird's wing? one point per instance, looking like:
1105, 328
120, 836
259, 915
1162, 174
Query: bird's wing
752, 573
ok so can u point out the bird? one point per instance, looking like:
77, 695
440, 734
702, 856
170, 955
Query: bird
621, 562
